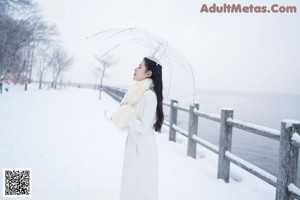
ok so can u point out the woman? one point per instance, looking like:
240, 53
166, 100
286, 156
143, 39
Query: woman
141, 113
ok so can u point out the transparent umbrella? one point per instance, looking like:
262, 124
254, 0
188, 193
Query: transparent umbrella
136, 43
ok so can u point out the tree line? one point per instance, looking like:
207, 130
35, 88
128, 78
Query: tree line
29, 46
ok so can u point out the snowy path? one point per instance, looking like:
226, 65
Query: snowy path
75, 153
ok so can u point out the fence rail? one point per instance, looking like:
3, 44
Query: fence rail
253, 128
288, 137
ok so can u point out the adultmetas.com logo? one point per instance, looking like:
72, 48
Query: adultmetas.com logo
238, 8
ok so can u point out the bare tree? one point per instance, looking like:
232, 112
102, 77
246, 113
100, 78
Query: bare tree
103, 63
12, 46
43, 36
10, 7
60, 62
13, 33
43, 66
22, 31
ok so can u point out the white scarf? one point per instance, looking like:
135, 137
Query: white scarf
126, 111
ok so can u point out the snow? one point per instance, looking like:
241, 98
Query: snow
290, 122
272, 131
210, 115
294, 189
227, 108
76, 153
296, 137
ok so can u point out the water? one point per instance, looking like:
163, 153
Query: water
258, 108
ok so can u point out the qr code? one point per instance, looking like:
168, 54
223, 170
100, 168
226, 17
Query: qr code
17, 182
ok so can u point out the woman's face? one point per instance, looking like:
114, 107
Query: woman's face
140, 72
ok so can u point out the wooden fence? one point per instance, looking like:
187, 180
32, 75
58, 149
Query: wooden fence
288, 136
68, 84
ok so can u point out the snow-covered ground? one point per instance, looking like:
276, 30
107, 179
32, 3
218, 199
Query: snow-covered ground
75, 153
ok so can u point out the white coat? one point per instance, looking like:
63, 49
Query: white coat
140, 168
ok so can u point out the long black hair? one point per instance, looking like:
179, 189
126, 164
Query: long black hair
156, 76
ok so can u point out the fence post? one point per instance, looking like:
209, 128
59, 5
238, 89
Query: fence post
193, 128
173, 120
25, 86
224, 144
288, 159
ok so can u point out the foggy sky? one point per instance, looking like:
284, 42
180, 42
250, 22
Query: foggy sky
239, 52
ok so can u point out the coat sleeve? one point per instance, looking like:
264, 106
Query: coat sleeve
121, 115
145, 124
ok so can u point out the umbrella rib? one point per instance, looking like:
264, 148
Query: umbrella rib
160, 48
123, 30
116, 47
100, 33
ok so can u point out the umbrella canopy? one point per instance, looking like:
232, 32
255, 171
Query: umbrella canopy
178, 77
